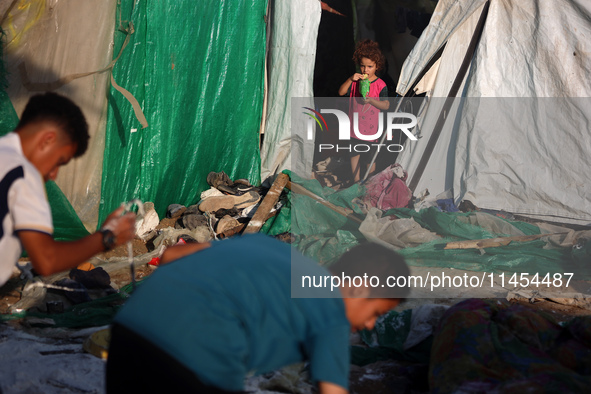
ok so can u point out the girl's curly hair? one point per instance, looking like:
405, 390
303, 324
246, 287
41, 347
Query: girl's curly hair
371, 50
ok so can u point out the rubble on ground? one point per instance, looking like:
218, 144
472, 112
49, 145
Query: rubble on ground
225, 210
222, 211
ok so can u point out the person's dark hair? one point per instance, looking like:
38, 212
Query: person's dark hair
374, 260
371, 50
63, 112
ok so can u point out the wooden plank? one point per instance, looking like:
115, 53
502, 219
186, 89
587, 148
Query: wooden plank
232, 231
262, 212
494, 242
348, 213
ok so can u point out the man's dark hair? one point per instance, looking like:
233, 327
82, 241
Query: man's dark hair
63, 112
374, 260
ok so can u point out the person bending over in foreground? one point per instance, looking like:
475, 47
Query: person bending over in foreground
203, 322
51, 131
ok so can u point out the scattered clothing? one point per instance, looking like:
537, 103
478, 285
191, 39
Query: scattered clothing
387, 189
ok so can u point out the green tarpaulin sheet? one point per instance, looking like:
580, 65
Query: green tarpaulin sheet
324, 235
197, 71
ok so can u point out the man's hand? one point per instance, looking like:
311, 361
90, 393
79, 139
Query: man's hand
49, 256
330, 388
122, 226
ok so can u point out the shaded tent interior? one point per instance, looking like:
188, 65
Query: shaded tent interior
394, 25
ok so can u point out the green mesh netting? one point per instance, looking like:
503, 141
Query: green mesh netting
8, 116
320, 232
197, 72
67, 225
386, 341
94, 313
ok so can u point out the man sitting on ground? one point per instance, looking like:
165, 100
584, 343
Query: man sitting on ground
51, 131
205, 321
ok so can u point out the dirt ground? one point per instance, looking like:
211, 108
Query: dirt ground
380, 377
10, 293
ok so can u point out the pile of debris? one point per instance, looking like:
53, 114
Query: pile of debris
333, 172
228, 208
224, 210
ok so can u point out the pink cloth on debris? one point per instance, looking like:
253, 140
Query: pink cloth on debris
385, 190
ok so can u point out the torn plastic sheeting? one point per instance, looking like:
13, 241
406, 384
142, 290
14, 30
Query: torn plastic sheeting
326, 249
56, 39
498, 226
532, 256
321, 234
66, 223
400, 233
201, 88
308, 217
291, 69
464, 225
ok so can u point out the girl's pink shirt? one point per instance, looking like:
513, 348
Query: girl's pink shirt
368, 114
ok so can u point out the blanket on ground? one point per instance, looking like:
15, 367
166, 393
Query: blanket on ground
493, 346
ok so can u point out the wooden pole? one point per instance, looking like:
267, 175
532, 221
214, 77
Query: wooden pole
348, 213
494, 242
262, 212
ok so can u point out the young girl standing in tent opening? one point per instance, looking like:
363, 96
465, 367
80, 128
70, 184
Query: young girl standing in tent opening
367, 104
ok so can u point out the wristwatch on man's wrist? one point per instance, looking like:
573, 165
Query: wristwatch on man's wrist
108, 239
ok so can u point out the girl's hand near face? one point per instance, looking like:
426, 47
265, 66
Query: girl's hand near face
356, 77
345, 86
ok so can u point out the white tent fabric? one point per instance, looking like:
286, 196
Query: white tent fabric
53, 39
536, 161
291, 71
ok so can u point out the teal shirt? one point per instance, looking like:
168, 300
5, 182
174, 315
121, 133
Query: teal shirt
227, 310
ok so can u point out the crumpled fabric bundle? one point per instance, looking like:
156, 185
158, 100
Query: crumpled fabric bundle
387, 189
